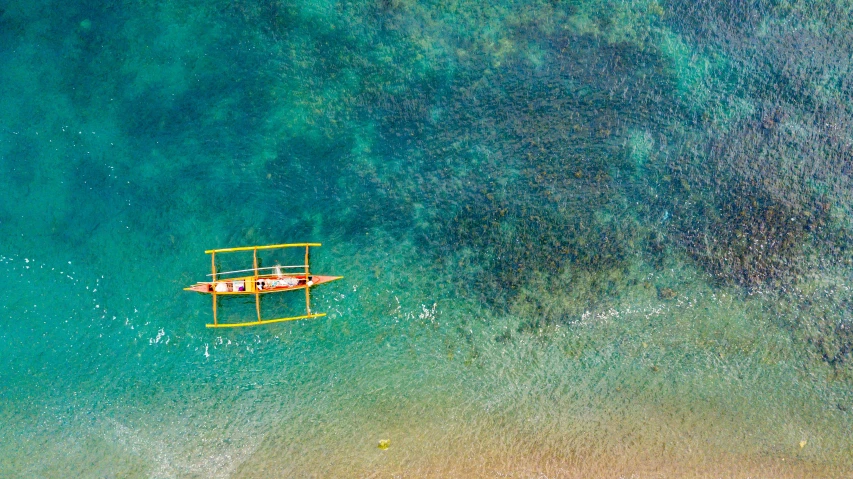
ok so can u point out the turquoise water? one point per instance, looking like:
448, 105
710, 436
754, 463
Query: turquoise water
579, 239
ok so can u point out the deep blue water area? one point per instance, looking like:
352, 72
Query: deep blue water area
579, 239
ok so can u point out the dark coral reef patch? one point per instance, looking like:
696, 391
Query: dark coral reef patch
524, 168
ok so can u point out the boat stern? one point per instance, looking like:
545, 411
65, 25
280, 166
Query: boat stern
200, 288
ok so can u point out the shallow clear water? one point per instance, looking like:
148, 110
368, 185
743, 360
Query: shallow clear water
583, 239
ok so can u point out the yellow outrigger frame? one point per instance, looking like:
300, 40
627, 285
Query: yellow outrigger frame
308, 314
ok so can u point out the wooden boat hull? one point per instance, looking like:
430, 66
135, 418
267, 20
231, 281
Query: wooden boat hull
251, 284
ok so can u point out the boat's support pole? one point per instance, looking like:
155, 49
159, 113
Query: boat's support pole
255, 279
307, 287
255, 261
213, 271
258, 305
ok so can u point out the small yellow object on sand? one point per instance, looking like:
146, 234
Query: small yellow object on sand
384, 444
802, 444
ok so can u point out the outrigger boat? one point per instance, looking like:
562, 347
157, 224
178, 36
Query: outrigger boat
275, 280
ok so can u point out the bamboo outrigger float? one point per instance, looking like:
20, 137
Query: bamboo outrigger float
275, 281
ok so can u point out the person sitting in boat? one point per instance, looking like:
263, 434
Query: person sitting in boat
284, 282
